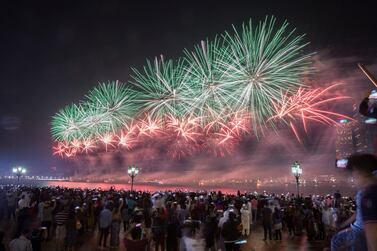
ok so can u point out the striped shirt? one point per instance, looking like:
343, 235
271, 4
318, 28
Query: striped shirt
61, 218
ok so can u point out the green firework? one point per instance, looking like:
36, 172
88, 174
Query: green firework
66, 124
262, 62
210, 97
243, 71
111, 106
161, 88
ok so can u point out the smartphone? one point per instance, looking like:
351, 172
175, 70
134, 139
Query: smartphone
241, 242
341, 163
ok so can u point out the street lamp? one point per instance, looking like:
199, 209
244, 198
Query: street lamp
297, 171
133, 171
19, 171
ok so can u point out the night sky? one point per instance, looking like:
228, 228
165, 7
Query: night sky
53, 52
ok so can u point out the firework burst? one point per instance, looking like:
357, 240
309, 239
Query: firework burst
66, 124
308, 105
114, 106
209, 98
128, 136
261, 62
237, 85
161, 88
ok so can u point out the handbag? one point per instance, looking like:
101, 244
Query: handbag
78, 225
278, 226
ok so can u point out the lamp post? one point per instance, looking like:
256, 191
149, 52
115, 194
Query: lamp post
297, 171
132, 171
19, 171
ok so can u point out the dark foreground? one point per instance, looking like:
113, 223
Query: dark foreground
255, 242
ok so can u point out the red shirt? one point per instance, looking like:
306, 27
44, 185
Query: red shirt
254, 204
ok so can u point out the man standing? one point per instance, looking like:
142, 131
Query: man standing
267, 221
230, 233
105, 218
21, 243
61, 219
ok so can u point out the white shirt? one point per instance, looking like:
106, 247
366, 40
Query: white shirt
22, 203
326, 217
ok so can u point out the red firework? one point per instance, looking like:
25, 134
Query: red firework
128, 136
305, 106
88, 145
107, 140
149, 127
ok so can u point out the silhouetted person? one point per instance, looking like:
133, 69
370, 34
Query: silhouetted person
231, 233
105, 219
267, 221
278, 224
137, 243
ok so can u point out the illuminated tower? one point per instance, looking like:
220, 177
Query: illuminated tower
359, 132
371, 138
344, 139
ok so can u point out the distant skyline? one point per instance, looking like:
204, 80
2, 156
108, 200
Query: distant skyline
53, 53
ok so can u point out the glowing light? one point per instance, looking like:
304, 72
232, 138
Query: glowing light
371, 121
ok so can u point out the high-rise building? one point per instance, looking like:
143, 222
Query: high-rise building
357, 136
344, 144
371, 137
359, 131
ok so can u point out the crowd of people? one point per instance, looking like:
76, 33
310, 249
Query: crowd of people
164, 221
175, 220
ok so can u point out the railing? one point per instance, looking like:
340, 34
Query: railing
27, 177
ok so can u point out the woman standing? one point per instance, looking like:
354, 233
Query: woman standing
245, 219
115, 225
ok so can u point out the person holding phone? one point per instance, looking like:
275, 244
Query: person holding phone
364, 169
359, 231
368, 106
138, 240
